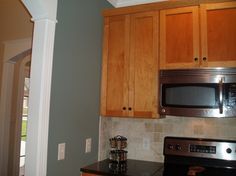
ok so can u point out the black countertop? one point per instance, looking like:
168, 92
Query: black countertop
134, 168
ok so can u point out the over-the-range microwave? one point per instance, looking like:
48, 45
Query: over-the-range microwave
198, 92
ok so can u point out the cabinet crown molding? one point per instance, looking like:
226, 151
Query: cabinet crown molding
124, 3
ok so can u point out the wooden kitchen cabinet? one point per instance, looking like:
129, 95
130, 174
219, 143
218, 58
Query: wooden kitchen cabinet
198, 36
129, 73
114, 95
218, 34
179, 38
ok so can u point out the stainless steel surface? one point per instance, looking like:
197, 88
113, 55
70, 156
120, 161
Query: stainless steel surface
118, 155
191, 112
221, 95
207, 148
118, 142
219, 76
198, 75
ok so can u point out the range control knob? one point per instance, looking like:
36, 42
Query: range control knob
178, 147
229, 150
170, 146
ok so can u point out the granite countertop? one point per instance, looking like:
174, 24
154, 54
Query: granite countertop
134, 168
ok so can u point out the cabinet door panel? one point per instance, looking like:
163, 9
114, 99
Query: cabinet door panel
143, 65
218, 29
179, 38
115, 76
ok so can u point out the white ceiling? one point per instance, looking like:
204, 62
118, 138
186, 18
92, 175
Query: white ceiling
123, 3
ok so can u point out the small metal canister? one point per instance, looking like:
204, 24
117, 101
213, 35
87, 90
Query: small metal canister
118, 142
118, 155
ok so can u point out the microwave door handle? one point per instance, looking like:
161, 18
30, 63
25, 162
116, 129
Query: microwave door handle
221, 95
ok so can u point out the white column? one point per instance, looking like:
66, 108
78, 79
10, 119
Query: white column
39, 97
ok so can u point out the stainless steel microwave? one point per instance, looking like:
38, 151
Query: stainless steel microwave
198, 92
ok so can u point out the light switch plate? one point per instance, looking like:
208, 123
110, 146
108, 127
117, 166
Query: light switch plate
61, 151
88, 145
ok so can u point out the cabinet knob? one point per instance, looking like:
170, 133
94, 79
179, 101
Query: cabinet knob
130, 108
204, 58
195, 59
124, 108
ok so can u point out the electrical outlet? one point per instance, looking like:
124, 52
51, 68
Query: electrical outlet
146, 143
61, 151
88, 145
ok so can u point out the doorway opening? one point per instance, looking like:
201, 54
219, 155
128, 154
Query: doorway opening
24, 120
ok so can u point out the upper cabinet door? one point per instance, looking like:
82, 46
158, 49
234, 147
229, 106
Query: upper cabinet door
218, 34
143, 64
114, 100
179, 38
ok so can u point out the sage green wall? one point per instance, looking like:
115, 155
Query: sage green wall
74, 111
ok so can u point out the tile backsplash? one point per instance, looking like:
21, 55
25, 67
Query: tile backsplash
146, 136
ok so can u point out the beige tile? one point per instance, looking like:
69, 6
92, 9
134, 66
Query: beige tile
157, 137
149, 127
158, 127
198, 130
155, 130
168, 127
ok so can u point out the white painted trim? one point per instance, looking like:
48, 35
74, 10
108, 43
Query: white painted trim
99, 138
113, 2
39, 98
18, 122
44, 18
13, 48
5, 110
124, 3
41, 9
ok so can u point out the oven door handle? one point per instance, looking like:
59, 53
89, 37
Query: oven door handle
221, 95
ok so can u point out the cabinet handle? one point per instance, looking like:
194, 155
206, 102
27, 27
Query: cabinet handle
130, 108
195, 59
124, 108
204, 58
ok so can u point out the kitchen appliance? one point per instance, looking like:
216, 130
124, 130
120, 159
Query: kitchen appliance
198, 157
198, 92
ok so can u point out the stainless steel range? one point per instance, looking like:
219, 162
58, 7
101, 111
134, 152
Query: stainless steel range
198, 157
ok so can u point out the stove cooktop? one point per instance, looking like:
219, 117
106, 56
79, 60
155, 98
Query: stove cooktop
187, 170
198, 157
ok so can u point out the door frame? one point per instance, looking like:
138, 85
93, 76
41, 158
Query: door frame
13, 51
18, 122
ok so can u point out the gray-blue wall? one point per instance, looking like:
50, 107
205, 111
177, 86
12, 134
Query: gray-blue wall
74, 111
